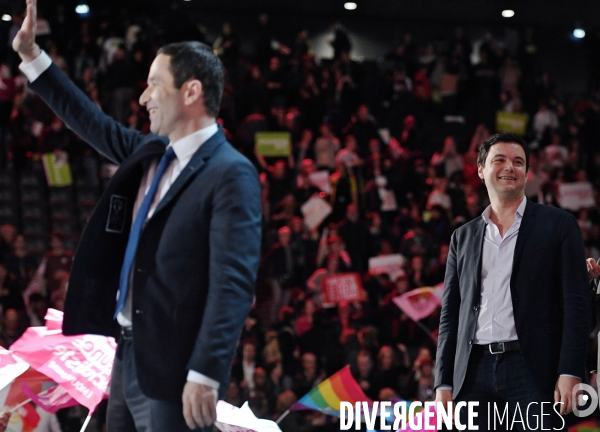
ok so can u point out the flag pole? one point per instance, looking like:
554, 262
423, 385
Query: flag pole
282, 416
86, 422
16, 407
25, 402
425, 329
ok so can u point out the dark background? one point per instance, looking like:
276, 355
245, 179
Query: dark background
376, 24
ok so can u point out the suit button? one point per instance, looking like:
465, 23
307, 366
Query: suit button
475, 308
139, 311
140, 270
470, 341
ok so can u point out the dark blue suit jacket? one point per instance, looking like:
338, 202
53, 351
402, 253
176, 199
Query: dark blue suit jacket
197, 259
549, 290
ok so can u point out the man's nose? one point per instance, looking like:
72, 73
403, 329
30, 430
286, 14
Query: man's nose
144, 98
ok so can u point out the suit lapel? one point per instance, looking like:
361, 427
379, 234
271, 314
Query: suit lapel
477, 247
192, 168
524, 229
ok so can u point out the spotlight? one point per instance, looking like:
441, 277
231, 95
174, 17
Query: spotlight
508, 13
350, 6
6, 17
82, 9
579, 33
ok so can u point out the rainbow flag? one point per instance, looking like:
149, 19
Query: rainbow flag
326, 397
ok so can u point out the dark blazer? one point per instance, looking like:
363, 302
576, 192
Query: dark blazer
196, 264
549, 290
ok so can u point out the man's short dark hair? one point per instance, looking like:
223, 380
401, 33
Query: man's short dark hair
504, 137
196, 60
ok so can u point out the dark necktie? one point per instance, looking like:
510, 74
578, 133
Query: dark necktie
136, 229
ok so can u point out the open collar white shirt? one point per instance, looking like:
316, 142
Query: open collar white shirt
184, 150
496, 321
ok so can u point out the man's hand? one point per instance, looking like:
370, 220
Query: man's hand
4, 417
563, 392
199, 405
593, 268
24, 41
445, 396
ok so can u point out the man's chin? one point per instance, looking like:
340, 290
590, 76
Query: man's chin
154, 129
511, 193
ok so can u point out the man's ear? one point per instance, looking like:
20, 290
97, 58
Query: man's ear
480, 171
193, 91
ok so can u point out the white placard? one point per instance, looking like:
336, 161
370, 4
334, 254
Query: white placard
320, 179
388, 200
573, 196
315, 210
234, 419
387, 264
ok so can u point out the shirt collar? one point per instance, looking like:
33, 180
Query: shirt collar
518, 215
185, 147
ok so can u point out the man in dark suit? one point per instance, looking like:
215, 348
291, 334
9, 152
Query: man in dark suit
175, 237
514, 320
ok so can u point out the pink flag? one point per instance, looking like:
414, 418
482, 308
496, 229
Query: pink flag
6, 358
14, 372
10, 367
418, 303
81, 364
13, 395
51, 400
54, 319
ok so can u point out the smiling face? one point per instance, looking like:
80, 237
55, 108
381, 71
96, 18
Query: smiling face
162, 100
504, 172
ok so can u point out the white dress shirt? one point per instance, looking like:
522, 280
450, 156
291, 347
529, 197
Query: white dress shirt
496, 321
184, 150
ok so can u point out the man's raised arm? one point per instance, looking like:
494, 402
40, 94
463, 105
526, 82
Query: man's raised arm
24, 42
110, 138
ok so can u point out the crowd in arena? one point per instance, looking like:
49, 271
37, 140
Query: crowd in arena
398, 140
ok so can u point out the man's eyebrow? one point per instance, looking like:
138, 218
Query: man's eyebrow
520, 158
